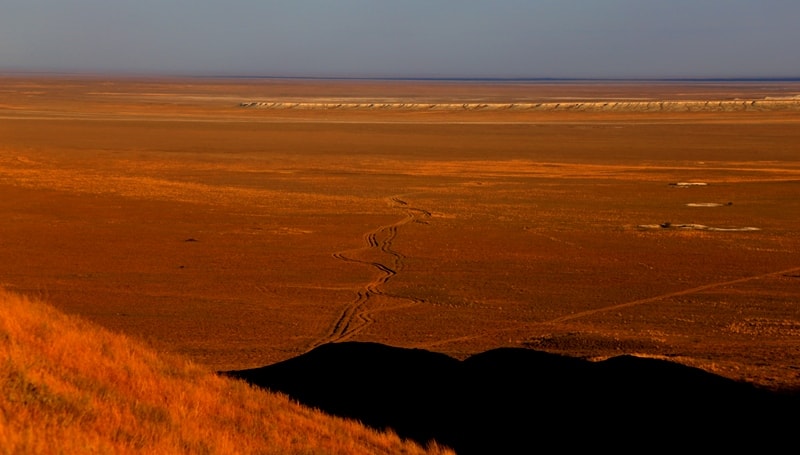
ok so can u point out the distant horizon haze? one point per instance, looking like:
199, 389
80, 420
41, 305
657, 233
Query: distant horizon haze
414, 39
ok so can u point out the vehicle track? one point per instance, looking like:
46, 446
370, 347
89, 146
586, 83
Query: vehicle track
694, 290
582, 314
357, 315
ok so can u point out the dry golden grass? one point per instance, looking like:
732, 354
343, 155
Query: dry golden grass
71, 387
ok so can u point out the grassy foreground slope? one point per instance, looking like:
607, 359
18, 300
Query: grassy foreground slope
71, 387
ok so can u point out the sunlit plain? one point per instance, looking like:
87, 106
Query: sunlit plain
242, 235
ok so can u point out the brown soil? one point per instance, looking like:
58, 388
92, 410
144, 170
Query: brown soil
241, 237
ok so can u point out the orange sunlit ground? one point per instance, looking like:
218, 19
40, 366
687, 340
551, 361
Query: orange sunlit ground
586, 219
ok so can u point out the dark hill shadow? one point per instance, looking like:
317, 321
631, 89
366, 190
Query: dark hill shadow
521, 401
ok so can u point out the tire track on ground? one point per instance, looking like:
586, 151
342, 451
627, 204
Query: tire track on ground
357, 315
620, 306
693, 290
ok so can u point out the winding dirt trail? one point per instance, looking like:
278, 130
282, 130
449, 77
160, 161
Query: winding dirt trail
357, 315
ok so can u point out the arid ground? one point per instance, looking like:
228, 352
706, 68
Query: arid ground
242, 222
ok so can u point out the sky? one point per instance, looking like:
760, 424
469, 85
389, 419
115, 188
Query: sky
405, 38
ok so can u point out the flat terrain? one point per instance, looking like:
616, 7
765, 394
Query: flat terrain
242, 222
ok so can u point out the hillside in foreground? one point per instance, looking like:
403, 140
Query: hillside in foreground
518, 400
71, 387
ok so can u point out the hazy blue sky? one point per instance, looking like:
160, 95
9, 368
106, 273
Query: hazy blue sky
426, 38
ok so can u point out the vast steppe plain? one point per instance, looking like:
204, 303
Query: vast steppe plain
242, 222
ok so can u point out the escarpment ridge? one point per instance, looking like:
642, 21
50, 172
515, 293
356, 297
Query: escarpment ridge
769, 103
